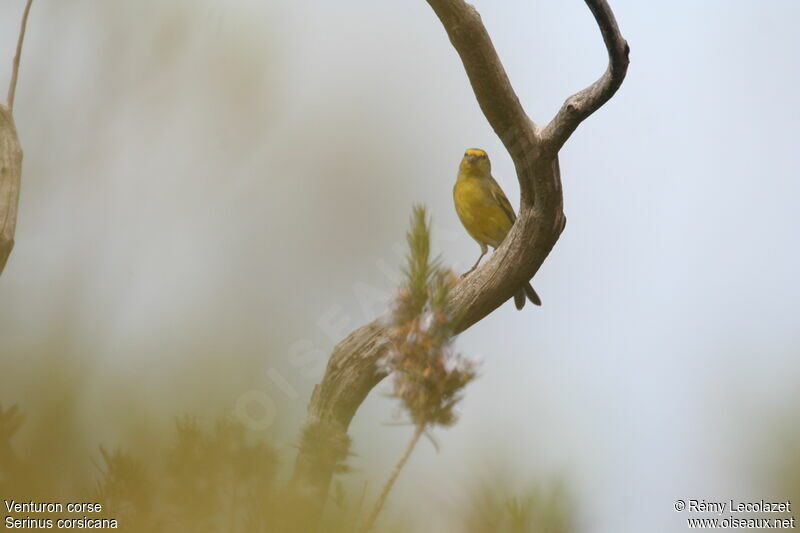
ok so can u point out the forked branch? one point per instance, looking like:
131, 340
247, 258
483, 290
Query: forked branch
352, 370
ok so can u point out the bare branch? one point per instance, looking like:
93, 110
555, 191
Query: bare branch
10, 173
10, 156
580, 105
496, 97
381, 501
352, 370
12, 87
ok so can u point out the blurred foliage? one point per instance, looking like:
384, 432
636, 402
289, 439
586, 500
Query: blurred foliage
778, 457
495, 507
207, 479
428, 375
219, 478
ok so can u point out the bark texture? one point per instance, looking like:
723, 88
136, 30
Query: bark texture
10, 174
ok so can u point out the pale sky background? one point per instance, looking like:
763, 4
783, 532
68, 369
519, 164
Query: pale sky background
210, 178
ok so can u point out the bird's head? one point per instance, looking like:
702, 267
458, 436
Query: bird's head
476, 162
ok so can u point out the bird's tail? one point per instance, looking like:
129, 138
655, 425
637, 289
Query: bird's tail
526, 290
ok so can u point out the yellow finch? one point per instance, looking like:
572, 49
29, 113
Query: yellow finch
485, 211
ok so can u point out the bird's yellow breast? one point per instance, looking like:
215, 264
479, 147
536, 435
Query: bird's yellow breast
479, 211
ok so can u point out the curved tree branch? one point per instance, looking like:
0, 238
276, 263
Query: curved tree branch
12, 86
10, 156
493, 90
10, 173
352, 370
579, 106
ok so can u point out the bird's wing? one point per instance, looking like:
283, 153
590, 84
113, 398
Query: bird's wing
500, 198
